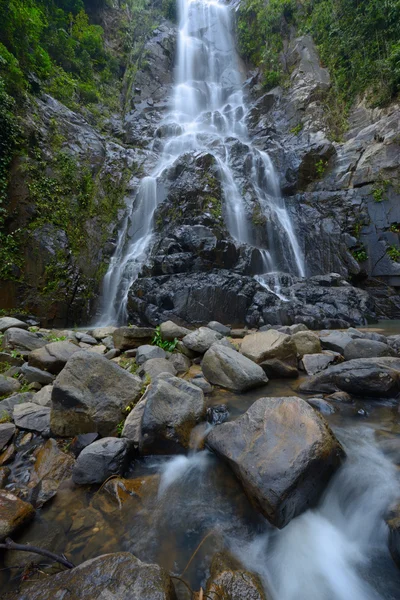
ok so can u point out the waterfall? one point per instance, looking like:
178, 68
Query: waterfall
208, 114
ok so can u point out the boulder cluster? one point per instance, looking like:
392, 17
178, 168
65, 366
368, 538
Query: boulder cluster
83, 404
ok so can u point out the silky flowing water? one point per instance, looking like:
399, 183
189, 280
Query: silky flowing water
208, 114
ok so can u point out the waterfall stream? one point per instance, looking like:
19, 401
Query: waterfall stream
208, 114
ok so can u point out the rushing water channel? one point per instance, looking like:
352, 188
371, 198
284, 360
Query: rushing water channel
208, 114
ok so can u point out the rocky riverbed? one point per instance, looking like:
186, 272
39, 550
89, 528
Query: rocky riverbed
143, 455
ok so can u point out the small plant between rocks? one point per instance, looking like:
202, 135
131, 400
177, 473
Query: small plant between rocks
164, 344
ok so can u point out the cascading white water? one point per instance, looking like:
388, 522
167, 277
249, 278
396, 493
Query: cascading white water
208, 113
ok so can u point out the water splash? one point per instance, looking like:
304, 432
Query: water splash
208, 114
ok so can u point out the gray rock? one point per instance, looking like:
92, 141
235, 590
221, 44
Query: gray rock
7, 322
265, 345
281, 484
181, 362
53, 357
201, 339
336, 341
173, 407
322, 405
10, 360
225, 342
314, 363
202, 383
113, 353
155, 366
229, 369
296, 328
8, 385
306, 342
126, 338
119, 576
171, 331
277, 369
101, 459
216, 326
43, 396
90, 395
146, 352
23, 341
365, 348
7, 405
33, 374
133, 423
32, 417
102, 332
375, 377
85, 338
7, 431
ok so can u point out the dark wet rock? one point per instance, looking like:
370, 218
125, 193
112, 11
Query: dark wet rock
7, 431
343, 397
336, 341
375, 377
4, 473
32, 374
364, 348
171, 331
306, 342
146, 352
90, 395
51, 468
53, 357
230, 581
8, 385
217, 414
280, 484
269, 344
8, 455
239, 333
126, 338
14, 513
277, 369
202, 383
23, 341
120, 575
81, 441
155, 366
201, 339
216, 326
322, 405
7, 322
172, 409
10, 360
85, 338
181, 362
101, 459
314, 363
393, 523
7, 405
32, 417
229, 369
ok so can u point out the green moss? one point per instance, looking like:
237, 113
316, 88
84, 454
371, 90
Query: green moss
394, 253
297, 129
360, 253
258, 218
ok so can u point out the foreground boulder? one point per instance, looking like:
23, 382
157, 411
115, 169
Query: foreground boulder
51, 468
53, 357
14, 513
147, 352
98, 461
172, 408
90, 395
23, 341
171, 331
306, 342
265, 345
314, 363
231, 370
126, 338
119, 576
284, 454
8, 322
364, 348
374, 377
228, 580
201, 339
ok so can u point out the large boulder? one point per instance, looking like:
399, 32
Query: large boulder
119, 576
8, 322
133, 422
101, 459
32, 417
32, 374
306, 342
314, 363
147, 352
284, 454
14, 513
153, 367
171, 331
335, 340
265, 345
53, 357
201, 339
374, 377
229, 369
8, 385
126, 338
172, 409
365, 348
90, 395
23, 341
7, 405
228, 580
51, 468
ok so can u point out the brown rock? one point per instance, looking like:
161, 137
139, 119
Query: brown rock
51, 468
13, 513
229, 581
126, 338
7, 456
265, 345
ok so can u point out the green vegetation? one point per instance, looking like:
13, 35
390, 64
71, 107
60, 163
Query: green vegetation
164, 344
395, 227
360, 254
297, 129
359, 41
5, 417
394, 253
320, 167
380, 190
